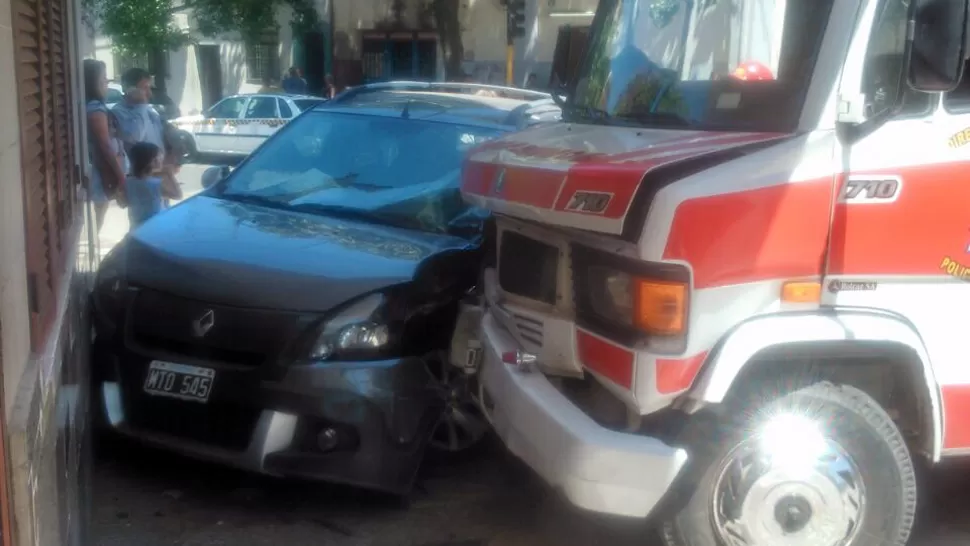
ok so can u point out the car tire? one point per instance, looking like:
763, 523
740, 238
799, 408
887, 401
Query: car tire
724, 503
462, 428
191, 152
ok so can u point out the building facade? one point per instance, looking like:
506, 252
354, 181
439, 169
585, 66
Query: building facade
358, 41
365, 29
46, 260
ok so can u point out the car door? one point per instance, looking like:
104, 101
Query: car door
900, 231
287, 112
260, 120
217, 132
305, 104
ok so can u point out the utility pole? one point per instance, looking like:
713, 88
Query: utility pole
515, 28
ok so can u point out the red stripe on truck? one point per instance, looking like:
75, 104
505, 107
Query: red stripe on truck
775, 232
606, 359
675, 375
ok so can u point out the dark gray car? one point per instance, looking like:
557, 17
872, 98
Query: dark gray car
295, 318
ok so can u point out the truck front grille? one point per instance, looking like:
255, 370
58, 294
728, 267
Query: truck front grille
528, 268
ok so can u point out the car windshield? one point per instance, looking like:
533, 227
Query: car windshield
740, 65
389, 170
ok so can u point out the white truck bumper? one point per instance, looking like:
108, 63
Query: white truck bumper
598, 469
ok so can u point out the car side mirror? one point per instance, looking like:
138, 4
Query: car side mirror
214, 175
939, 43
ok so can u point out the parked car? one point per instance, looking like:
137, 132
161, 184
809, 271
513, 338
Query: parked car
237, 125
115, 94
295, 318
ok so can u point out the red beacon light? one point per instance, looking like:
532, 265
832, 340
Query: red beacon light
752, 71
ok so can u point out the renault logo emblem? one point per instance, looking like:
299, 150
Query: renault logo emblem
499, 182
202, 325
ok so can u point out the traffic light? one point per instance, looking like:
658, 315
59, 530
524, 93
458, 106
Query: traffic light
516, 19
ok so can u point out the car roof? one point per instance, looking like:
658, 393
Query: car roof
422, 112
290, 96
475, 108
445, 99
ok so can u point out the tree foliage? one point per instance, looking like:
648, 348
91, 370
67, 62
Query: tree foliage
141, 27
136, 27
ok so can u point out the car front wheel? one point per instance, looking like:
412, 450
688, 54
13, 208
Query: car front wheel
462, 426
821, 466
189, 150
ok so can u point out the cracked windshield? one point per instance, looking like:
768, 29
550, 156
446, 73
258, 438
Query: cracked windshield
485, 273
396, 171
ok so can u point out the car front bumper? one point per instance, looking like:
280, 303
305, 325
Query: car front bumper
597, 468
364, 424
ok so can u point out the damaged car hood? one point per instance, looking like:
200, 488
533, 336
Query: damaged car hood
249, 255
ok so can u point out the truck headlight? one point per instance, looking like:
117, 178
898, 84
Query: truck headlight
633, 302
651, 306
356, 332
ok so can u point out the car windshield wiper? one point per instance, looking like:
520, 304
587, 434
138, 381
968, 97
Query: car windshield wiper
665, 119
588, 113
254, 199
340, 211
346, 180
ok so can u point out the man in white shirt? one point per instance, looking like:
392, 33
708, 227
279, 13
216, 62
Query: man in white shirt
138, 121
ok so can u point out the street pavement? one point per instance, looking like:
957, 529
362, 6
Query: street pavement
147, 497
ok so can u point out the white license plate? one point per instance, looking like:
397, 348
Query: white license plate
190, 383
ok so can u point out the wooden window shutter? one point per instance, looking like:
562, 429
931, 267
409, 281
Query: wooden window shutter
43, 65
64, 122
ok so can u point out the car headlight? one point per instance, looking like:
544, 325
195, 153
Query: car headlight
358, 331
111, 287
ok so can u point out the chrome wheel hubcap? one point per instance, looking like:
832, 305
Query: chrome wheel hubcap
788, 485
461, 424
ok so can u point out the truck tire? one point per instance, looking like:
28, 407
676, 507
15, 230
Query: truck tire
757, 478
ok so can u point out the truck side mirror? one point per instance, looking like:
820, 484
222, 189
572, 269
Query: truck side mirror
938, 44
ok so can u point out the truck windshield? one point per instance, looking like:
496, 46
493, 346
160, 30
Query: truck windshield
742, 65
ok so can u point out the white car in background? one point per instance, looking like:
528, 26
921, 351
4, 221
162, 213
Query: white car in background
115, 94
237, 125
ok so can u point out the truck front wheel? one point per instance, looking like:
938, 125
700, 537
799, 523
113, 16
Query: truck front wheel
821, 466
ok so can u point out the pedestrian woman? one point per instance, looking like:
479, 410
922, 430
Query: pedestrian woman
106, 152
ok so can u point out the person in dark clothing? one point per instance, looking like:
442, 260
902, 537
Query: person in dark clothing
532, 82
294, 83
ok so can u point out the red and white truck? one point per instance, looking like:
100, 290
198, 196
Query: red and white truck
728, 291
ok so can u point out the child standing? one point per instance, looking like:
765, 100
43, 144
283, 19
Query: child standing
144, 188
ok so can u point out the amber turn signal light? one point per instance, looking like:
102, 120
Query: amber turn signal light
801, 292
660, 307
